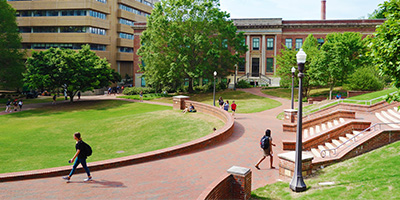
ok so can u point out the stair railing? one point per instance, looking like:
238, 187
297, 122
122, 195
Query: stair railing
265, 79
375, 127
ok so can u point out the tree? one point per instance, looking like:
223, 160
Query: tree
365, 79
340, 55
287, 59
188, 39
391, 7
66, 68
11, 55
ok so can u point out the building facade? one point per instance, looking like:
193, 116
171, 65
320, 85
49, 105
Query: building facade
266, 38
103, 24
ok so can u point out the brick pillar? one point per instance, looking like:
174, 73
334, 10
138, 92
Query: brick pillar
323, 9
241, 186
179, 102
290, 116
287, 163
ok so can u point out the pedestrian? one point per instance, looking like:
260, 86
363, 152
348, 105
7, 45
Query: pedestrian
80, 156
20, 103
54, 99
109, 90
15, 104
233, 108
141, 96
8, 106
226, 106
79, 95
220, 102
266, 145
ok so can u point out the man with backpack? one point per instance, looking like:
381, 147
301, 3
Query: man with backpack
83, 150
266, 145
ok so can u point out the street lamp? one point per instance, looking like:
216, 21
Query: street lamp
215, 75
234, 80
297, 184
293, 71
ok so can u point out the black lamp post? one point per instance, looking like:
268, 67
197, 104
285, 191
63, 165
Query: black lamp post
234, 81
293, 71
297, 184
215, 75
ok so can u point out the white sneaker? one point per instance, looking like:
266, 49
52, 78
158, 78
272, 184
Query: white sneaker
87, 179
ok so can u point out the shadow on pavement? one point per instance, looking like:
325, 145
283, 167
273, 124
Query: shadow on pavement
102, 184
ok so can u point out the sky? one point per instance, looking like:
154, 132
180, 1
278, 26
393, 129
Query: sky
299, 9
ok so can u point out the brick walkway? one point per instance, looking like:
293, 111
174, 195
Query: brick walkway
180, 177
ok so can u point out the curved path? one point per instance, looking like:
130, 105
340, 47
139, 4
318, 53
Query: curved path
180, 177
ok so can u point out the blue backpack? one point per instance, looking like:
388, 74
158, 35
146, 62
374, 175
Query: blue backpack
264, 143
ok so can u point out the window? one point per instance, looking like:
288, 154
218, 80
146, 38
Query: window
126, 36
97, 31
51, 13
44, 29
321, 41
288, 43
39, 13
125, 50
256, 43
25, 29
102, 1
73, 29
143, 81
299, 43
126, 22
241, 67
270, 65
133, 10
205, 81
97, 14
270, 43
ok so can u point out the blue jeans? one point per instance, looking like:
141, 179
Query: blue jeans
83, 163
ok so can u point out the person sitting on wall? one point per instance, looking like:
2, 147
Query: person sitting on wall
189, 109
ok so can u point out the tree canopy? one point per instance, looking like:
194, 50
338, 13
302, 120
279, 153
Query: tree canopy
66, 68
188, 39
391, 7
11, 55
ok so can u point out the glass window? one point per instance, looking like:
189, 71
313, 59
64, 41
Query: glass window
126, 36
25, 29
270, 43
205, 81
143, 82
51, 13
321, 41
241, 66
256, 43
270, 65
125, 50
299, 43
73, 29
126, 22
288, 43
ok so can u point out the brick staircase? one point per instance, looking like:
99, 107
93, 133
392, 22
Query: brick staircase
390, 116
320, 128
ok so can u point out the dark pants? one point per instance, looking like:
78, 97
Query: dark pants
83, 163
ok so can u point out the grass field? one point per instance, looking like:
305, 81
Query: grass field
43, 138
374, 175
246, 102
40, 99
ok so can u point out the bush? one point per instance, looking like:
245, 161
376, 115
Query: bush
243, 84
364, 79
220, 86
136, 90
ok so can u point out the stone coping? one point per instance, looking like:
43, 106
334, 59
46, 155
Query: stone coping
208, 140
291, 156
242, 171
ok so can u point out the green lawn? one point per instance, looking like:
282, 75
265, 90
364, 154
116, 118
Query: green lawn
374, 175
43, 138
40, 99
287, 92
246, 102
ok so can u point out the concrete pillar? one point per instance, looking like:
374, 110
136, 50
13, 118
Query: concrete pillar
179, 102
248, 54
323, 9
241, 186
263, 54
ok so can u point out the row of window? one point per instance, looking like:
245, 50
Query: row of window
126, 36
102, 1
255, 63
289, 41
94, 47
55, 13
62, 29
270, 43
146, 3
126, 22
133, 10
125, 50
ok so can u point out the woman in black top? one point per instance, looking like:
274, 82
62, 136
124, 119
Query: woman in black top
81, 158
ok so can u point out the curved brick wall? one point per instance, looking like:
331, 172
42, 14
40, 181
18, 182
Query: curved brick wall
219, 189
209, 140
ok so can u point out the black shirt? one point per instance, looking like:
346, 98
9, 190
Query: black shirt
79, 145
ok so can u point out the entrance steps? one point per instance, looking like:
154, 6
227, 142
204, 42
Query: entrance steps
318, 129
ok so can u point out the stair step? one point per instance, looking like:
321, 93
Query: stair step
392, 119
330, 145
305, 133
349, 135
341, 120
335, 122
316, 153
384, 120
394, 113
317, 129
321, 147
357, 132
311, 131
323, 126
330, 125
343, 139
336, 142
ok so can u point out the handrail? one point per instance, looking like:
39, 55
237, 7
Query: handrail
269, 81
323, 152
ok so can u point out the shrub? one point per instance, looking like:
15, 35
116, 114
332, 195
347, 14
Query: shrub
243, 84
136, 90
364, 79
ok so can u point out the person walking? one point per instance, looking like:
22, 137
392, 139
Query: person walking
141, 96
54, 99
226, 106
79, 95
220, 102
233, 108
266, 145
8, 106
81, 156
20, 103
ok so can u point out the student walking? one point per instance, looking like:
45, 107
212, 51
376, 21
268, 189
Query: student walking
8, 106
266, 145
141, 96
20, 103
220, 102
54, 99
233, 108
226, 106
82, 151
79, 95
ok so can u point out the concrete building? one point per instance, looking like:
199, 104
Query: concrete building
103, 24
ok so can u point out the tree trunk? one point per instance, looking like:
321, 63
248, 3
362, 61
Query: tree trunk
190, 88
330, 92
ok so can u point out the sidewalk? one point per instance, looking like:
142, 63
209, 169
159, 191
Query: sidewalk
180, 177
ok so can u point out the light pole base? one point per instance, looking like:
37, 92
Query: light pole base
298, 185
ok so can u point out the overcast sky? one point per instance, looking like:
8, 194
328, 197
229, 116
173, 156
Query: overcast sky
299, 9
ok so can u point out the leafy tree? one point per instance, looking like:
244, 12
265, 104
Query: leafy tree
287, 59
11, 55
340, 55
391, 7
66, 68
365, 79
188, 39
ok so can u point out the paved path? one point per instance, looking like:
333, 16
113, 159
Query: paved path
180, 177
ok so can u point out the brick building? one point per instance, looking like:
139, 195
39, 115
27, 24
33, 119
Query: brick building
265, 39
